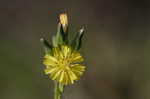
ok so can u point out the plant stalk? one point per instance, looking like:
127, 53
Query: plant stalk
58, 90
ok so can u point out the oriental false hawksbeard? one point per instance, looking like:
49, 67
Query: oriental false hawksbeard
64, 64
63, 61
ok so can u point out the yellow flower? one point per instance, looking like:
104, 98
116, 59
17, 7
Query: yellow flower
64, 21
64, 65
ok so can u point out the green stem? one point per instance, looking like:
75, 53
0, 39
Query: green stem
58, 90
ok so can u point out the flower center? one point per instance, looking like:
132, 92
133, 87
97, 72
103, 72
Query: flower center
64, 64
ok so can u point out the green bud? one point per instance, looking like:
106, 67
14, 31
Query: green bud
47, 46
77, 41
60, 36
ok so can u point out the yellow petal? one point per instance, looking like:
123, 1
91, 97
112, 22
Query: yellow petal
51, 70
49, 63
66, 51
72, 75
61, 76
78, 67
57, 75
49, 60
76, 57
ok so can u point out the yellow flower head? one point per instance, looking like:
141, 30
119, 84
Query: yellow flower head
64, 65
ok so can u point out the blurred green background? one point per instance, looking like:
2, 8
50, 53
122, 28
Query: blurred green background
116, 48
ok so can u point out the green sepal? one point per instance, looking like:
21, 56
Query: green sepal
54, 41
46, 45
65, 32
61, 36
77, 41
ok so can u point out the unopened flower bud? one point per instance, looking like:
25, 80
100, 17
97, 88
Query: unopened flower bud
64, 21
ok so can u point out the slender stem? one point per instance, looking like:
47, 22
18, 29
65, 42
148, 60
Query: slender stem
58, 90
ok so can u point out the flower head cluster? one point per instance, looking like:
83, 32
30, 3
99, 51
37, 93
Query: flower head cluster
62, 58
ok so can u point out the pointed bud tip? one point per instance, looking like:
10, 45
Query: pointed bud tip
41, 39
81, 30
